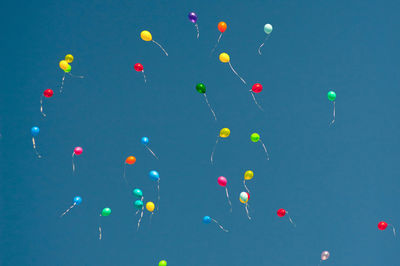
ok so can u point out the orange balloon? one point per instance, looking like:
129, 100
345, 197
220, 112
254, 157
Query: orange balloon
130, 160
222, 26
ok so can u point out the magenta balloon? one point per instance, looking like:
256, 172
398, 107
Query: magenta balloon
78, 150
222, 181
325, 255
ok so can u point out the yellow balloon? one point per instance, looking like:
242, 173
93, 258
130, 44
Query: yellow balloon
224, 58
69, 58
224, 133
146, 36
242, 201
248, 175
64, 64
150, 206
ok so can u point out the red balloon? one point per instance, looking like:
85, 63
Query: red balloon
138, 67
48, 93
248, 196
382, 225
257, 88
281, 212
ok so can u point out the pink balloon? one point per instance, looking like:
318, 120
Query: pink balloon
325, 255
222, 181
78, 150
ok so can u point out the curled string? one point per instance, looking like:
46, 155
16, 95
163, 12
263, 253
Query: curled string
247, 211
212, 154
237, 73
244, 183
255, 101
215, 46
259, 48
140, 219
73, 205
41, 106
158, 193
151, 152
62, 83
197, 28
209, 106
265, 149
34, 147
220, 226
334, 114
73, 162
162, 48
227, 196
144, 77
75, 76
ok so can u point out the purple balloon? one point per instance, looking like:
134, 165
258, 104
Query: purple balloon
192, 17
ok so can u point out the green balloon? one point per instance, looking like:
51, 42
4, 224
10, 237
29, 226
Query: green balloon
138, 193
201, 88
162, 263
68, 69
139, 204
254, 137
106, 212
331, 96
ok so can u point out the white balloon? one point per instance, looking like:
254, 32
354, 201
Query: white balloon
325, 255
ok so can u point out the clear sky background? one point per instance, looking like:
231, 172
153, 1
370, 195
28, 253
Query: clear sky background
336, 182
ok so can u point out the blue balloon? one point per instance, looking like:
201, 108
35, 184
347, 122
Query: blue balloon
77, 200
206, 219
35, 131
154, 175
145, 140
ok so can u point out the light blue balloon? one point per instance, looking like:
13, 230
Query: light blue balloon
268, 28
154, 175
35, 131
77, 200
145, 140
206, 219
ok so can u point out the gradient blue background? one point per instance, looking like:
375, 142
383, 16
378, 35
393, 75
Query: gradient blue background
337, 182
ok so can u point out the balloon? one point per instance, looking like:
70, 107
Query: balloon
222, 181
130, 160
69, 58
224, 58
68, 69
222, 26
77, 200
48, 93
35, 131
244, 197
146, 36
201, 88
138, 204
268, 28
78, 150
325, 255
248, 175
106, 212
150, 206
281, 212
206, 219
162, 263
382, 225
138, 193
255, 137
138, 67
257, 88
331, 96
154, 175
145, 140
192, 17
224, 133
64, 64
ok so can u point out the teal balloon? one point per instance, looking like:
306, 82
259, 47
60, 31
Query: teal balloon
268, 28
139, 204
106, 212
137, 193
331, 96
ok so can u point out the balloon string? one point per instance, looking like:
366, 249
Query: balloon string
265, 149
144, 76
73, 205
247, 211
73, 162
75, 76
151, 215
237, 73
209, 106
162, 48
244, 183
62, 83
334, 114
41, 106
393, 229
124, 175
197, 28
152, 152
34, 147
229, 200
158, 193
291, 220
220, 226
212, 154
215, 46
100, 235
255, 101
140, 219
259, 48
